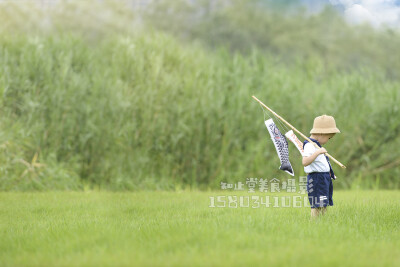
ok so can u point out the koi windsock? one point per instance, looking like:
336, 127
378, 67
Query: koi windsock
292, 137
281, 146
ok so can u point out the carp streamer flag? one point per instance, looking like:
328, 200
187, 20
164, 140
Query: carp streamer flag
280, 142
292, 137
281, 146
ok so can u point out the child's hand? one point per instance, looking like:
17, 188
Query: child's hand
321, 150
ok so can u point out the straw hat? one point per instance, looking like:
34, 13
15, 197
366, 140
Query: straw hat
324, 124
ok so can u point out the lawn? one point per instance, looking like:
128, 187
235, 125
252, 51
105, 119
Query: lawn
179, 228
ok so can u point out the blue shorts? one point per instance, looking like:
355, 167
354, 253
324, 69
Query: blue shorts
320, 189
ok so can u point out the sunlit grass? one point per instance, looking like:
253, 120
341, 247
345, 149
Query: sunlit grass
179, 228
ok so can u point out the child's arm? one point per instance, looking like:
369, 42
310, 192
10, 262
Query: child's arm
308, 160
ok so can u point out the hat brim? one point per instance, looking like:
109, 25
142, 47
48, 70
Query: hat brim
324, 130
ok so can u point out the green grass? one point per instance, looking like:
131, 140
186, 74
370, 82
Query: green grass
145, 111
178, 228
107, 102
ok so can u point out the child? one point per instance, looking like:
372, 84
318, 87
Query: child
317, 166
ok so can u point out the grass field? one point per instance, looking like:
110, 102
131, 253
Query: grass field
179, 228
118, 120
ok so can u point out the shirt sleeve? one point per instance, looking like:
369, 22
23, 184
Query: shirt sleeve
309, 149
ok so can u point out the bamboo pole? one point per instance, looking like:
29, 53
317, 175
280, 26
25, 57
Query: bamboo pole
297, 131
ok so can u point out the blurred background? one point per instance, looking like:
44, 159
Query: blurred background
156, 95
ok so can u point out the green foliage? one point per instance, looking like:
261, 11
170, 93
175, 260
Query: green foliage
125, 111
280, 28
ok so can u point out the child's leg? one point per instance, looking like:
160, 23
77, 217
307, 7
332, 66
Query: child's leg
314, 212
323, 210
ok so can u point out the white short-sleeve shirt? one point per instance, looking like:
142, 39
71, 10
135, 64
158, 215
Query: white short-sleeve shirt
320, 164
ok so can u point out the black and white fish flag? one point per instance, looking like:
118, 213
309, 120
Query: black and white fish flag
281, 146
